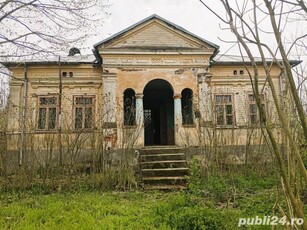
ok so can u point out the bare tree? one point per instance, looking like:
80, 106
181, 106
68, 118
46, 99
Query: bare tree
244, 21
36, 28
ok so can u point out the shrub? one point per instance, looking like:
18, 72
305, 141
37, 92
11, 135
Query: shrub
194, 179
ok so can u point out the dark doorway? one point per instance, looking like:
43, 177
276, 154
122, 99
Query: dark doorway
159, 113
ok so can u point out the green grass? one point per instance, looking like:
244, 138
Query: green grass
125, 210
83, 210
212, 202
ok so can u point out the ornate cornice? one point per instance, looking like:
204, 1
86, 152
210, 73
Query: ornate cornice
155, 60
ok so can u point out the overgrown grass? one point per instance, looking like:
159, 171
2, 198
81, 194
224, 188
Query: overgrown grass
212, 201
115, 210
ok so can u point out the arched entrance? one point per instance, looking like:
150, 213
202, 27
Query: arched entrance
158, 113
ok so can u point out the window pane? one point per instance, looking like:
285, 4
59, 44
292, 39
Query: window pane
129, 111
79, 101
42, 118
88, 101
52, 118
254, 119
51, 101
228, 109
42, 101
187, 107
229, 120
219, 109
220, 120
88, 118
227, 99
219, 114
253, 109
251, 98
219, 99
187, 118
78, 118
147, 117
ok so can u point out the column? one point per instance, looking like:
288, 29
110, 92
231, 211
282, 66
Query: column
139, 118
177, 109
109, 100
139, 113
177, 118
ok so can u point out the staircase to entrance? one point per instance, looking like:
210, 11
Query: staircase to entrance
163, 168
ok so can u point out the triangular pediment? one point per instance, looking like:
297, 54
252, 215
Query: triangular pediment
155, 33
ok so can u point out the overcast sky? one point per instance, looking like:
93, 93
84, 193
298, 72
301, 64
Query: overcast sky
189, 14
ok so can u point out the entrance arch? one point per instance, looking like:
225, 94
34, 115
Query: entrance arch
158, 113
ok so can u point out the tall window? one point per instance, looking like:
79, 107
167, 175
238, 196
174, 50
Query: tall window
129, 107
47, 112
84, 108
224, 110
254, 116
187, 107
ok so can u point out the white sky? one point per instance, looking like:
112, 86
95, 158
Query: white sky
189, 14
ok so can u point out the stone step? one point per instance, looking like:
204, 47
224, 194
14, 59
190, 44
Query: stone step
159, 150
165, 172
164, 164
177, 180
163, 168
162, 157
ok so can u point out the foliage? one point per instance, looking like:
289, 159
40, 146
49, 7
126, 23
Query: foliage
194, 178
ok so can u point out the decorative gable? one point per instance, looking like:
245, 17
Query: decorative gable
155, 35
154, 41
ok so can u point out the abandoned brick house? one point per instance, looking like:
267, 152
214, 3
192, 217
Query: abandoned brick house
153, 83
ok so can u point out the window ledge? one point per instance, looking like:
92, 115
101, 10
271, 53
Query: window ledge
47, 130
255, 126
129, 126
227, 127
189, 126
